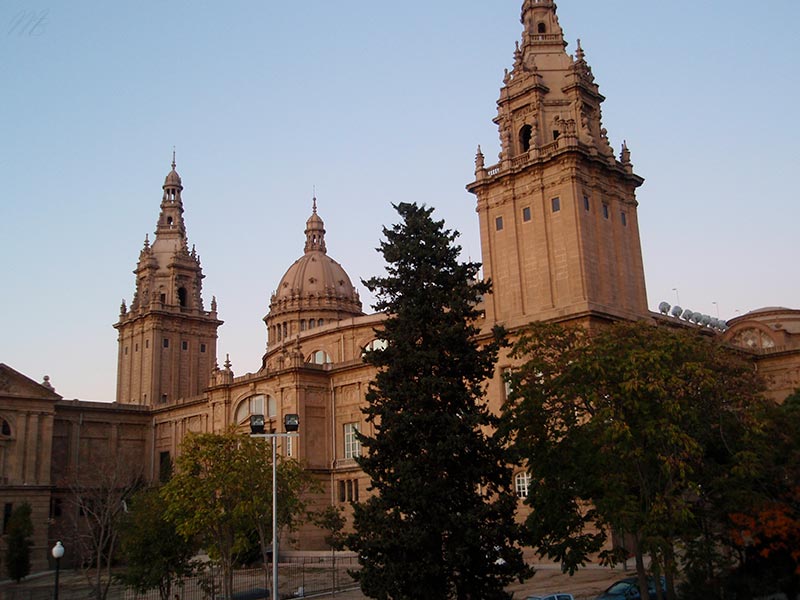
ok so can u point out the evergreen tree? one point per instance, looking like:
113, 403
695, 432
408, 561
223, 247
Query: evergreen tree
441, 523
18, 543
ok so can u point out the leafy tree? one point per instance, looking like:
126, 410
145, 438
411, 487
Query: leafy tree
155, 555
332, 521
18, 543
441, 524
642, 430
97, 499
222, 490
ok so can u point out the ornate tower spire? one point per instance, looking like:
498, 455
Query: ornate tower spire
559, 231
167, 341
315, 231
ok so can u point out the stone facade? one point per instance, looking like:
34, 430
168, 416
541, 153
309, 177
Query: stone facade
560, 241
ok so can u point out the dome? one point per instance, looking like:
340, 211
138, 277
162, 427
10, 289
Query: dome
173, 179
314, 291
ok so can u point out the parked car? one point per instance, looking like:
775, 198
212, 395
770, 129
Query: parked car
628, 589
558, 596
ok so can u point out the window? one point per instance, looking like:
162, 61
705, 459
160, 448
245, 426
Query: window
185, 345
312, 323
126, 351
5, 428
623, 218
166, 342
586, 203
7, 510
348, 490
522, 482
320, 357
182, 297
163, 298
202, 347
526, 214
541, 27
352, 447
272, 407
254, 405
498, 223
164, 467
605, 210
556, 202
56, 507
136, 347
525, 138
163, 398
303, 325
147, 343
505, 373
320, 322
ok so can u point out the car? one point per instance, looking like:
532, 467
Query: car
558, 596
628, 589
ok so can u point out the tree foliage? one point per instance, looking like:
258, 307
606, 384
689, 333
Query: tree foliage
222, 490
441, 524
645, 431
155, 555
18, 542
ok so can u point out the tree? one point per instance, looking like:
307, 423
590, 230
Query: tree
18, 543
646, 431
441, 524
155, 555
222, 490
331, 520
98, 499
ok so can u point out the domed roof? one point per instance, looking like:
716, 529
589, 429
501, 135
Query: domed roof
173, 179
315, 277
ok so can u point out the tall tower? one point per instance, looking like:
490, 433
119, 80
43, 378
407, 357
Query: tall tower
558, 221
167, 342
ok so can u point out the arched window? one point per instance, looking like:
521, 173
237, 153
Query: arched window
541, 27
525, 138
5, 428
320, 357
254, 405
375, 345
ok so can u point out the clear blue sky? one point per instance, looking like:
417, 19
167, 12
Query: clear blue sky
373, 103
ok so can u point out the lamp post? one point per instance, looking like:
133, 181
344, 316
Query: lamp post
57, 552
291, 423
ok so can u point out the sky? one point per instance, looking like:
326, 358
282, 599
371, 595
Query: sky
368, 103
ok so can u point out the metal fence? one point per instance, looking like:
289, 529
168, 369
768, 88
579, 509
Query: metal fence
297, 578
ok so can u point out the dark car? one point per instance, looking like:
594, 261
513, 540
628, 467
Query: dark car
558, 596
628, 589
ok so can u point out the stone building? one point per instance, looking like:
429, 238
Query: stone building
559, 238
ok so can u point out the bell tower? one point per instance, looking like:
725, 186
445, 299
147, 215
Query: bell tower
558, 220
167, 341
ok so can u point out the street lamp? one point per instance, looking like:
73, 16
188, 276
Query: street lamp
291, 423
57, 552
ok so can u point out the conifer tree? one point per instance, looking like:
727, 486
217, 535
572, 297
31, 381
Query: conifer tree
441, 521
18, 543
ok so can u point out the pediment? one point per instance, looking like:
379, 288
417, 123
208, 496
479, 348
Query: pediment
15, 384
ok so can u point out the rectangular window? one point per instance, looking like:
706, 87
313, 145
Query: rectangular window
586, 202
147, 343
7, 509
185, 345
164, 466
136, 348
126, 351
342, 497
556, 202
498, 223
352, 447
355, 490
202, 347
624, 218
605, 210
349, 490
163, 398
522, 482
526, 214
55, 508
166, 342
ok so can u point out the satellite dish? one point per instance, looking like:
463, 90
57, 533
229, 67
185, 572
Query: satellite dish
663, 308
687, 315
704, 320
676, 311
